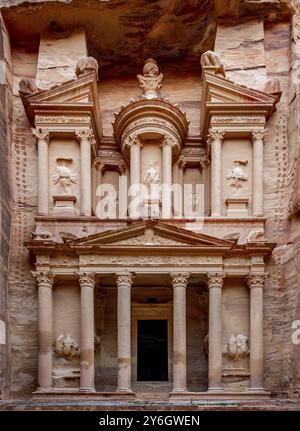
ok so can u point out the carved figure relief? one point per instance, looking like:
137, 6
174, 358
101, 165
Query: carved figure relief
150, 81
66, 347
64, 176
237, 347
152, 176
237, 177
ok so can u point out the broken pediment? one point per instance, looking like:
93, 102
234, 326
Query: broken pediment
235, 102
77, 98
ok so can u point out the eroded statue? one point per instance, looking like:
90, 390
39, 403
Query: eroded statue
150, 81
237, 347
86, 64
64, 176
236, 176
213, 60
66, 347
28, 86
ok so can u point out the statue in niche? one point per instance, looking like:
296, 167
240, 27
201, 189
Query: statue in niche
152, 176
237, 347
237, 176
66, 347
150, 81
64, 176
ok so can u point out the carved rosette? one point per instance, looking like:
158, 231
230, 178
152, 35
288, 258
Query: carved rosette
259, 135
43, 278
41, 134
257, 280
215, 279
124, 278
180, 279
86, 279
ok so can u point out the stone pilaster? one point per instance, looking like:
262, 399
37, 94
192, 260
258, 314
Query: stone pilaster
135, 171
256, 283
167, 146
84, 136
124, 282
42, 136
45, 281
179, 282
258, 137
215, 140
87, 361
215, 284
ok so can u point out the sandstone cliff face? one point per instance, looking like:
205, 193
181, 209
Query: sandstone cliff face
5, 200
256, 39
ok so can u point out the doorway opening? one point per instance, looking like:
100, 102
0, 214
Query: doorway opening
152, 350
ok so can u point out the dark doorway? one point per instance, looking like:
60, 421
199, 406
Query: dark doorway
152, 354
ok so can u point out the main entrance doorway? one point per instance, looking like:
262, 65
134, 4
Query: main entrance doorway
152, 350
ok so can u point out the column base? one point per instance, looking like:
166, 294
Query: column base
215, 389
87, 390
124, 391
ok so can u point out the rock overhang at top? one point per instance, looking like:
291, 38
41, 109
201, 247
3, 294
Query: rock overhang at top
122, 33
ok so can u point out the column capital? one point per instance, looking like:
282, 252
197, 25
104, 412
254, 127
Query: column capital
99, 164
259, 134
86, 278
180, 279
84, 134
124, 278
215, 279
215, 135
132, 140
169, 141
257, 279
43, 278
41, 134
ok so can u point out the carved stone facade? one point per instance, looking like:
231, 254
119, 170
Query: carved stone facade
153, 197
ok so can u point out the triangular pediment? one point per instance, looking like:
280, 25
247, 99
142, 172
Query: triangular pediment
150, 234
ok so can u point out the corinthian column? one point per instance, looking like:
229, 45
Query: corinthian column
179, 281
44, 281
87, 365
42, 137
135, 172
124, 282
258, 172
215, 139
256, 285
167, 146
85, 136
215, 284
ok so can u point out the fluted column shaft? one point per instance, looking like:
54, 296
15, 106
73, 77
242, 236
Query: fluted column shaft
85, 137
258, 172
256, 285
42, 137
216, 138
87, 361
124, 282
45, 325
179, 281
166, 177
215, 284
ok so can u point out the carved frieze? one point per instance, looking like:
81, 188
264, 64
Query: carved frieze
154, 260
